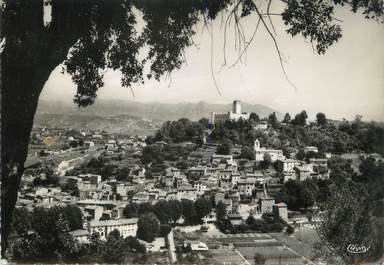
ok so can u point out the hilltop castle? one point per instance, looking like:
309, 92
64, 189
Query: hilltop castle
234, 115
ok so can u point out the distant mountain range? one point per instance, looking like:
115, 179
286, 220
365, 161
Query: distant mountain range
129, 117
151, 111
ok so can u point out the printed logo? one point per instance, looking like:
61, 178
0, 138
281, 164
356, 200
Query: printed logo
354, 248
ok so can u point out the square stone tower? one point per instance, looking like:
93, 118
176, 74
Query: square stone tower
236, 107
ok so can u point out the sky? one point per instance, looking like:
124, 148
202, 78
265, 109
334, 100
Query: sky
347, 80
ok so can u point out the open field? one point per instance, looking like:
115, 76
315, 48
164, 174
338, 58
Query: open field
300, 242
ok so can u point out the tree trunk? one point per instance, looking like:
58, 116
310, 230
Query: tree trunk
21, 87
31, 53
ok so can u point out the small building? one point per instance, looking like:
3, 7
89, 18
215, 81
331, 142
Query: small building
311, 149
225, 175
235, 178
81, 235
219, 196
97, 136
95, 212
280, 209
41, 191
89, 144
245, 186
216, 159
126, 227
200, 187
261, 126
160, 143
302, 173
288, 175
92, 178
196, 172
266, 204
235, 218
260, 152
284, 164
196, 246
140, 197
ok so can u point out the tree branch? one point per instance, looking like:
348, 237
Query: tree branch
212, 72
276, 46
248, 43
269, 16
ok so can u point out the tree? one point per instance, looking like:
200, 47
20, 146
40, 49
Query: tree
251, 221
134, 244
131, 210
73, 144
22, 221
204, 122
254, 117
51, 239
306, 197
165, 229
300, 119
224, 148
174, 210
300, 155
287, 118
321, 119
221, 211
247, 152
203, 207
349, 217
161, 209
188, 211
74, 217
144, 208
272, 119
88, 37
148, 227
267, 161
149, 140
290, 230
115, 250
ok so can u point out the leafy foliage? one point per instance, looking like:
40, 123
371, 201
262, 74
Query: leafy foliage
341, 138
181, 130
221, 211
298, 194
224, 148
354, 211
148, 227
267, 224
188, 211
74, 216
50, 239
321, 119
203, 207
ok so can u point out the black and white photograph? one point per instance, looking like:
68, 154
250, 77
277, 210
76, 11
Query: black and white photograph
192, 132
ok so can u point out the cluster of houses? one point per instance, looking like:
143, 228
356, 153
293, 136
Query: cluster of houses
242, 187
83, 139
103, 201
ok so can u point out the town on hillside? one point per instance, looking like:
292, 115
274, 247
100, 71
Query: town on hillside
233, 189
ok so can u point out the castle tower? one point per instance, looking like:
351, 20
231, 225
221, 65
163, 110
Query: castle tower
236, 107
212, 118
